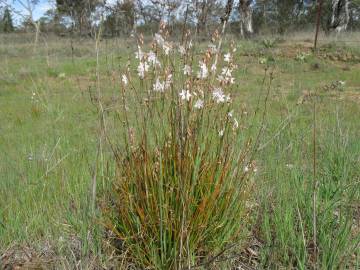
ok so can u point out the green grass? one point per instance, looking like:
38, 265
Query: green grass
48, 148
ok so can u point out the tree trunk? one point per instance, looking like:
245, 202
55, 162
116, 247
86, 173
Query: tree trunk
37, 29
340, 15
246, 22
201, 17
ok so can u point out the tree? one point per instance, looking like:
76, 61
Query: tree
121, 18
27, 13
340, 15
52, 22
7, 22
154, 11
80, 11
246, 22
281, 15
202, 9
206, 12
288, 13
354, 9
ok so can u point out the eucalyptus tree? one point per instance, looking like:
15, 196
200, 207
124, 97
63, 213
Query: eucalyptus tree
120, 18
246, 20
79, 11
340, 15
25, 9
7, 21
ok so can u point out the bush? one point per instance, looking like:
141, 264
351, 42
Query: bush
183, 168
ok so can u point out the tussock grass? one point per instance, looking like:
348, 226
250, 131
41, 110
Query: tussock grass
181, 187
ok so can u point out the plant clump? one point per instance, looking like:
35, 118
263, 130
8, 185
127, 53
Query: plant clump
183, 165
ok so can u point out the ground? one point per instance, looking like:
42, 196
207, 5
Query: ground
48, 143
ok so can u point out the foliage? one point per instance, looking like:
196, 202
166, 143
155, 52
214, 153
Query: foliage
121, 18
52, 22
269, 43
301, 56
79, 10
6, 22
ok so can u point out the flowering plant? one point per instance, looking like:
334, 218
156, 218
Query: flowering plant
183, 165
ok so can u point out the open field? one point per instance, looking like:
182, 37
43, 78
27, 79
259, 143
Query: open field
49, 152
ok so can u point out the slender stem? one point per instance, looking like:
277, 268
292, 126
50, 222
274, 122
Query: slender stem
101, 122
184, 26
320, 2
314, 182
228, 10
220, 43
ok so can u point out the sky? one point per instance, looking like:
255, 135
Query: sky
42, 7
39, 10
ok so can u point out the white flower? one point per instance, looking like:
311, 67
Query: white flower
263, 60
213, 68
246, 169
190, 44
212, 48
187, 70
159, 40
168, 81
152, 58
221, 132
167, 48
219, 96
226, 72
139, 54
199, 104
289, 166
142, 68
227, 57
342, 83
162, 43
226, 76
236, 124
203, 73
185, 95
182, 50
159, 86
221, 78
124, 79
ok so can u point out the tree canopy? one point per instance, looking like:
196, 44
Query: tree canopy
203, 16
6, 23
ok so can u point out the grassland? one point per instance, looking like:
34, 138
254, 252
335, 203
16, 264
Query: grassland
49, 141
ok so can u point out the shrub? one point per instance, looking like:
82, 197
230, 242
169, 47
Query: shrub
183, 165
